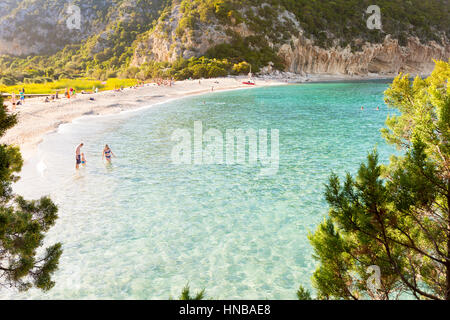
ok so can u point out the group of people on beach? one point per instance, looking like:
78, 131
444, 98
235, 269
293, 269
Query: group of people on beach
80, 158
53, 97
69, 93
15, 102
164, 82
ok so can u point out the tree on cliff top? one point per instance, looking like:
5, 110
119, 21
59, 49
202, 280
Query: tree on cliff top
387, 235
23, 225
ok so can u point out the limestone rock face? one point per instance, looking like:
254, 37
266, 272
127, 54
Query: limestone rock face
300, 54
388, 58
165, 43
40, 26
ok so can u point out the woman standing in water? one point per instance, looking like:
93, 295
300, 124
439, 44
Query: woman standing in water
108, 154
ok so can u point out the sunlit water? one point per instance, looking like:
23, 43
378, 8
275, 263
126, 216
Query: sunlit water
144, 227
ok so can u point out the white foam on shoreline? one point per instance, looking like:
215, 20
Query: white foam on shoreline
29, 133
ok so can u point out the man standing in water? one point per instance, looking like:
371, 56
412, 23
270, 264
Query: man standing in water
78, 155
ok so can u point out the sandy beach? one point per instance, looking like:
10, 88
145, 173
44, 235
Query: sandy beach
37, 118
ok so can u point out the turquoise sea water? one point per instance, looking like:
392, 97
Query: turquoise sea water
144, 227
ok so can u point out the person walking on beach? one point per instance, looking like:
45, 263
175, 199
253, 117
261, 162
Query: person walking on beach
22, 97
108, 154
78, 155
13, 101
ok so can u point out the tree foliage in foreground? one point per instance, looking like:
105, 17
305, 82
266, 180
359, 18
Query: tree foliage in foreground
23, 225
396, 217
186, 294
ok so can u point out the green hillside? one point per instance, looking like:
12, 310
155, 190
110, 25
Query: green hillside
123, 24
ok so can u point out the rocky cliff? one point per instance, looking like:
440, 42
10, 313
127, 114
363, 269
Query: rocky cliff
300, 54
387, 58
301, 36
39, 26
36, 27
167, 41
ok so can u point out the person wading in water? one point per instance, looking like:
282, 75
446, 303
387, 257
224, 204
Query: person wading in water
78, 155
108, 154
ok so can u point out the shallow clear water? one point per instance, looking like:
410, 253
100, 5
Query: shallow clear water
144, 227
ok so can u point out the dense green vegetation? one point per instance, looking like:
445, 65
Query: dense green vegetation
127, 23
340, 22
396, 217
194, 68
238, 52
345, 19
23, 225
101, 56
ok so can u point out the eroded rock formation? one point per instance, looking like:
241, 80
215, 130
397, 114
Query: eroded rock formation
388, 58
